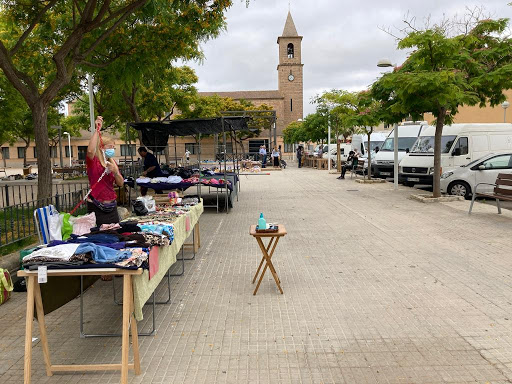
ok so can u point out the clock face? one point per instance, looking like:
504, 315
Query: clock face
291, 77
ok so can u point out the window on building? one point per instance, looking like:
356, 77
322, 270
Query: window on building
254, 146
290, 51
229, 148
82, 152
53, 152
288, 148
291, 105
68, 154
21, 152
35, 153
192, 148
128, 150
5, 153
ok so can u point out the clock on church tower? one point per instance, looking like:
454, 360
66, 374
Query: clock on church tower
290, 71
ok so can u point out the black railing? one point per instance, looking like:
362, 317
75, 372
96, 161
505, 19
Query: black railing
21, 193
17, 220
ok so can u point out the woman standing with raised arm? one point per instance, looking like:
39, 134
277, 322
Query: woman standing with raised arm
103, 172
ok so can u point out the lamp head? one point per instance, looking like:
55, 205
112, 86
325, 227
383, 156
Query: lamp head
505, 104
384, 63
65, 133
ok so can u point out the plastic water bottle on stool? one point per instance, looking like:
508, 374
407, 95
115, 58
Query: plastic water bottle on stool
262, 223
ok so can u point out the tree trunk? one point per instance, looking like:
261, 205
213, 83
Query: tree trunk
437, 152
44, 164
369, 155
27, 144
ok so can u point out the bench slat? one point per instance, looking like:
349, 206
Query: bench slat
503, 191
504, 182
505, 176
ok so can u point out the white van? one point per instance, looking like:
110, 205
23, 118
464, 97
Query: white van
461, 144
360, 141
383, 161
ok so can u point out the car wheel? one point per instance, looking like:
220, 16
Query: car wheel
460, 188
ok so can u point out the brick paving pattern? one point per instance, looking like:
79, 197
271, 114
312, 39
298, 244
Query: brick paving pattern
377, 289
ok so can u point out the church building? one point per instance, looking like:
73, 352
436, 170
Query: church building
287, 100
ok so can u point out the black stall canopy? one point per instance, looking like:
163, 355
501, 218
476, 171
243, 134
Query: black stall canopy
155, 134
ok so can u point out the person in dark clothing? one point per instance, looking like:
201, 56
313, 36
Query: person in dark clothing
151, 167
299, 155
351, 162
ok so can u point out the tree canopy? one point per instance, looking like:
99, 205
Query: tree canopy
444, 72
43, 43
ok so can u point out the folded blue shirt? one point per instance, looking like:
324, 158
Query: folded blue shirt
102, 254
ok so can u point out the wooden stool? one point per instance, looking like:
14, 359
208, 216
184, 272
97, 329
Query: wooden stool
274, 239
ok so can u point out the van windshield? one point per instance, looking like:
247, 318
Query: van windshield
425, 144
403, 143
374, 144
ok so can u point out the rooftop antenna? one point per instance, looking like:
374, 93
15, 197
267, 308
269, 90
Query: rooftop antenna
289, 6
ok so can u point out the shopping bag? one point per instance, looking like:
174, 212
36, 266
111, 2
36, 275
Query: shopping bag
67, 226
55, 226
83, 224
6, 285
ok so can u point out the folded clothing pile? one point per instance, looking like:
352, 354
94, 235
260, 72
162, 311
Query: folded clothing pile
74, 254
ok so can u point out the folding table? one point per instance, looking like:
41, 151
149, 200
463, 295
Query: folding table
129, 323
267, 257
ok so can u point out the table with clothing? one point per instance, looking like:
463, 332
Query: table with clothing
218, 181
139, 248
127, 245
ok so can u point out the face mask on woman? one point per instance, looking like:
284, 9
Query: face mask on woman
110, 152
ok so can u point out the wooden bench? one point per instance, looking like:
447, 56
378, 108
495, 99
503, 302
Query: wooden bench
502, 191
358, 168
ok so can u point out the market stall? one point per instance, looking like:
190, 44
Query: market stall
140, 248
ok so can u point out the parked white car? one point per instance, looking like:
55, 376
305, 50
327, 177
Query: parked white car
461, 144
461, 181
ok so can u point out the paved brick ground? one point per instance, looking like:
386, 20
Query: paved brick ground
377, 289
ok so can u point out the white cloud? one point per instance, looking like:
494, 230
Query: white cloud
341, 46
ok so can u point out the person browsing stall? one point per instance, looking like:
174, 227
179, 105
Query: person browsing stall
100, 157
275, 157
151, 166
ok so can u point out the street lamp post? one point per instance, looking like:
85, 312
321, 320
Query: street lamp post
69, 146
505, 105
386, 63
328, 141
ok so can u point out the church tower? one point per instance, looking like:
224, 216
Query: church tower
290, 72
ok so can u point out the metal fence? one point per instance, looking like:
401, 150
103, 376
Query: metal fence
17, 220
12, 193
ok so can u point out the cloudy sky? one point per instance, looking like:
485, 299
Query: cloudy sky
341, 46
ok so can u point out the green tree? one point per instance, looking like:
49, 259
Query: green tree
42, 43
339, 104
213, 106
294, 133
443, 73
315, 126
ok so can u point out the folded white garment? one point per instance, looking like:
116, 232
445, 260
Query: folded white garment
143, 180
174, 179
159, 180
61, 252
